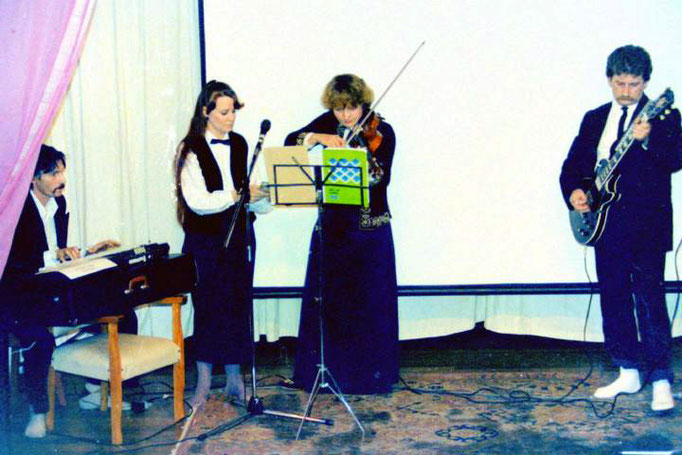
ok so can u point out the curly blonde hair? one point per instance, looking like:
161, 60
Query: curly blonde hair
347, 90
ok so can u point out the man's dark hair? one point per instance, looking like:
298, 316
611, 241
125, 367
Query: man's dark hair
48, 160
629, 60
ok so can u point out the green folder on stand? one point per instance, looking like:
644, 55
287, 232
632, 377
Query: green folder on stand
347, 183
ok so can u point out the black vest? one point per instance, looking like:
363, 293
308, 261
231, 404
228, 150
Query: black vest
215, 223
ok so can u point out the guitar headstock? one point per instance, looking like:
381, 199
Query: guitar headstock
658, 107
664, 101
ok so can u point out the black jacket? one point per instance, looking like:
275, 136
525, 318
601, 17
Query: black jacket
644, 211
30, 242
328, 124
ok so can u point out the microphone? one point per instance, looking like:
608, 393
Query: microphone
264, 128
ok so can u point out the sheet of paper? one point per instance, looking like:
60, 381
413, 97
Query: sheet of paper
290, 185
80, 267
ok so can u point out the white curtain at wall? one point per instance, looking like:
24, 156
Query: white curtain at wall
128, 106
554, 316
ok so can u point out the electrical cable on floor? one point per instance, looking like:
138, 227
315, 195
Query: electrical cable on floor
515, 396
116, 449
128, 443
506, 396
138, 441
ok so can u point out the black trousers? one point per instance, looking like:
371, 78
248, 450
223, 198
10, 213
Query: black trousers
631, 278
38, 343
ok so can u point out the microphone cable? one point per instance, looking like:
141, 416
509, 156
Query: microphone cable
516, 396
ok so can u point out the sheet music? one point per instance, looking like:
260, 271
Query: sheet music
80, 267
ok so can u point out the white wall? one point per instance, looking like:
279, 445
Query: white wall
484, 117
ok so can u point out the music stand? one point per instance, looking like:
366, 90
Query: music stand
291, 191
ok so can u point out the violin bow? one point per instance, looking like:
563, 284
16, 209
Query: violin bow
358, 127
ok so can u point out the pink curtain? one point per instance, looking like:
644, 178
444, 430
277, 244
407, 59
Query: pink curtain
41, 42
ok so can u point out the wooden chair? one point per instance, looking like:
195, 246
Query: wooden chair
115, 357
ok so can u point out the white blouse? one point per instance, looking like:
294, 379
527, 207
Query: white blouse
198, 198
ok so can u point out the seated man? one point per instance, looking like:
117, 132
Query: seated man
41, 239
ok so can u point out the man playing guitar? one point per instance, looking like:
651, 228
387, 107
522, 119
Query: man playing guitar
630, 252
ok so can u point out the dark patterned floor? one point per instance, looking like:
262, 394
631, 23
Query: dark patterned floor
457, 412
482, 393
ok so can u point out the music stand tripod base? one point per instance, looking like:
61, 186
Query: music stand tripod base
321, 383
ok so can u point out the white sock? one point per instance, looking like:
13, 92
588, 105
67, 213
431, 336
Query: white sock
36, 427
92, 388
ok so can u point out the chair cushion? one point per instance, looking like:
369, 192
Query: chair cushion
139, 355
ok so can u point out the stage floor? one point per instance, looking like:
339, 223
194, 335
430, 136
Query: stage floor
471, 393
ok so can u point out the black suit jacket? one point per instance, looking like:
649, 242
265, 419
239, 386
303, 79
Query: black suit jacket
644, 211
30, 242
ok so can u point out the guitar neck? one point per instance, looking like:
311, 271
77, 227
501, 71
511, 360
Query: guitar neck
650, 110
606, 171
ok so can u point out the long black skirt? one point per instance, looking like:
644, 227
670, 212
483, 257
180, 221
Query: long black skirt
360, 308
222, 298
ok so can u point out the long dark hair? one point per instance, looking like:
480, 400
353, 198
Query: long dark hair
197, 127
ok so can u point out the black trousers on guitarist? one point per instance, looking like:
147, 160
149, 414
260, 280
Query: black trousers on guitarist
630, 254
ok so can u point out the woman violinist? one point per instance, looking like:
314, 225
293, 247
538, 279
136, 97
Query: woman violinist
358, 267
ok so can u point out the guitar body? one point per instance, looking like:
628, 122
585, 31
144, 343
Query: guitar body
588, 227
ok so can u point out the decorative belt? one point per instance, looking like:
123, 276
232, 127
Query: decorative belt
368, 222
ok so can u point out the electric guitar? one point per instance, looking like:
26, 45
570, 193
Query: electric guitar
588, 227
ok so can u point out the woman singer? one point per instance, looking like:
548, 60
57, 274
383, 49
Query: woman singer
210, 174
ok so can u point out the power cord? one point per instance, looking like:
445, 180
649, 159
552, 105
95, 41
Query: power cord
516, 396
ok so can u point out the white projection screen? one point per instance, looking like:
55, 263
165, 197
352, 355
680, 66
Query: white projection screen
484, 116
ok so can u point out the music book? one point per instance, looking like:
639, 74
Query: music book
347, 183
291, 174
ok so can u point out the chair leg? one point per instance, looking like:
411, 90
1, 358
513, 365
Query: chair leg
59, 385
103, 396
178, 390
116, 408
49, 421
115, 382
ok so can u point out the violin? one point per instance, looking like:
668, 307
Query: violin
371, 133
368, 127
373, 138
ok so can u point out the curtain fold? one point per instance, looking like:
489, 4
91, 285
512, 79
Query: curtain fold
41, 44
128, 107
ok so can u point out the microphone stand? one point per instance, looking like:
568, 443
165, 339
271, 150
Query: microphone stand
255, 406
